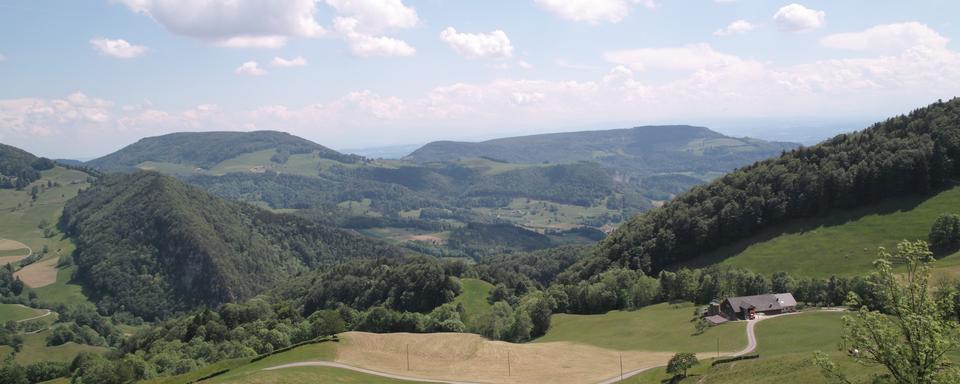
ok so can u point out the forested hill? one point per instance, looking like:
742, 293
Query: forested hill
902, 156
648, 149
206, 149
19, 168
151, 245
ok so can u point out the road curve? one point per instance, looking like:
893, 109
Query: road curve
751, 346
48, 313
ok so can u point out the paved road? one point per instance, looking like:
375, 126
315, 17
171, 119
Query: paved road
751, 346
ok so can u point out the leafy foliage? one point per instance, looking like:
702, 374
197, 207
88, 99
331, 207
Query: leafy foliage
153, 246
945, 234
902, 156
681, 362
913, 334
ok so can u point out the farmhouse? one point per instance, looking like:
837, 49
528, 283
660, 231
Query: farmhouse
747, 307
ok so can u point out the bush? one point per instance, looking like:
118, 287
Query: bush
945, 234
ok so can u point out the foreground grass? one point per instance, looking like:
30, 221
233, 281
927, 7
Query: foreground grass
801, 333
662, 327
844, 243
473, 298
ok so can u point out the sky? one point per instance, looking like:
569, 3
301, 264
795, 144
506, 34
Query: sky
80, 79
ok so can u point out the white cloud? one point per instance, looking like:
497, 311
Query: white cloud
2, 57
118, 48
887, 38
718, 84
253, 42
234, 23
298, 61
495, 44
250, 68
375, 16
735, 28
524, 64
364, 45
592, 11
797, 18
686, 58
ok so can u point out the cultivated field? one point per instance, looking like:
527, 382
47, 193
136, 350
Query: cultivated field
12, 251
844, 244
39, 274
468, 357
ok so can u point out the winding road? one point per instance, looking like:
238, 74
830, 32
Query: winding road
751, 346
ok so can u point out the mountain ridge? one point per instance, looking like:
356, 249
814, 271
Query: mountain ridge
639, 148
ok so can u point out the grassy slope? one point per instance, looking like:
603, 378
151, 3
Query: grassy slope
785, 345
842, 244
661, 327
17, 312
474, 298
243, 372
35, 349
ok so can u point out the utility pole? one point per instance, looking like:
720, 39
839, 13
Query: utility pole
408, 356
718, 347
621, 366
508, 363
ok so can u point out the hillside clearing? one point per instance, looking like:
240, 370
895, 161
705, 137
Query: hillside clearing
473, 298
39, 274
661, 327
844, 243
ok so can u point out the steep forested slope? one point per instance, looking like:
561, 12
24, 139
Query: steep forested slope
19, 168
206, 149
151, 245
902, 156
648, 149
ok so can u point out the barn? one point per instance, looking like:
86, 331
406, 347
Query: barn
746, 307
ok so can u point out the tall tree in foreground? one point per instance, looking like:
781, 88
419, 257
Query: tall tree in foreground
914, 332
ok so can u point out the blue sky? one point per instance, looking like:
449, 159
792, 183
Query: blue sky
83, 78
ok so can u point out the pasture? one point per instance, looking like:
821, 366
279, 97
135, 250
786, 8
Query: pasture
17, 312
661, 327
474, 298
844, 243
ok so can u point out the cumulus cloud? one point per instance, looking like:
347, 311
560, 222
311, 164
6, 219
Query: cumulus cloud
797, 18
685, 58
232, 23
592, 11
280, 62
887, 38
718, 84
495, 44
524, 64
365, 45
250, 68
735, 28
118, 48
375, 16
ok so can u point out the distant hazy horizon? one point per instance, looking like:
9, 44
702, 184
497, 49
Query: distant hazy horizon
87, 78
